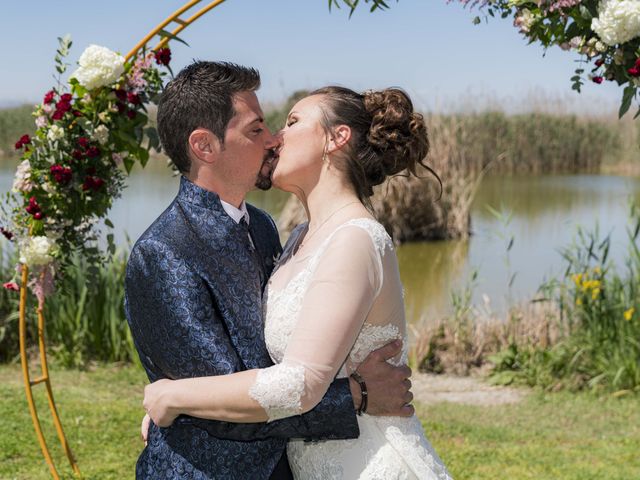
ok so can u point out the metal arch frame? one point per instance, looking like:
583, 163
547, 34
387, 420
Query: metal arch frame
44, 377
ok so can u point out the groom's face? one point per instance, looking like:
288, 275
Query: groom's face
248, 142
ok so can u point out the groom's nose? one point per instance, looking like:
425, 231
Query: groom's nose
272, 141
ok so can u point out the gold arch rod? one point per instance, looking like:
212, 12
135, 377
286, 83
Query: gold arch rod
174, 17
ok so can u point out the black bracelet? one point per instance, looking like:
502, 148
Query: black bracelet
363, 390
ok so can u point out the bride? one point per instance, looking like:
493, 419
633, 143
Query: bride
335, 295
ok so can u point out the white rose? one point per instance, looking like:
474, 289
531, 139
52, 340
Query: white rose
99, 66
55, 133
101, 134
618, 21
36, 251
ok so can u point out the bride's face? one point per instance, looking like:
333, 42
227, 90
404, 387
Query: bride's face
303, 140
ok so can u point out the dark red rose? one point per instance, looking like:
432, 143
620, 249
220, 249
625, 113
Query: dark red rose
49, 96
121, 94
83, 142
66, 97
7, 234
61, 174
37, 215
11, 286
131, 114
93, 183
597, 80
599, 62
634, 71
163, 56
57, 115
62, 106
121, 107
637, 64
24, 140
97, 183
77, 113
33, 206
93, 152
133, 98
77, 155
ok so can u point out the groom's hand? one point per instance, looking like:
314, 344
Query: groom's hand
388, 387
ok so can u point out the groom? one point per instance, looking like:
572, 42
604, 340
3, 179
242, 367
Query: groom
194, 287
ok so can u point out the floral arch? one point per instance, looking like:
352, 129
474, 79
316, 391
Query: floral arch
90, 133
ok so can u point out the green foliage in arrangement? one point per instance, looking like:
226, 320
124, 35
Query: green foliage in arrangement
600, 322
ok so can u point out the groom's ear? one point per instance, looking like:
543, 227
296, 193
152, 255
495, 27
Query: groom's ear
204, 145
341, 135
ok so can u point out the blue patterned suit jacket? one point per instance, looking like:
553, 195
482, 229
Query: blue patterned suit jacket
194, 306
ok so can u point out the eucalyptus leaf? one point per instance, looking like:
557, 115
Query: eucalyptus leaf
627, 97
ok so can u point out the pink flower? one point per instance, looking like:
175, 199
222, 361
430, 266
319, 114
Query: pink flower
41, 121
11, 286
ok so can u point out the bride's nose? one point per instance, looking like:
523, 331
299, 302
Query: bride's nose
275, 140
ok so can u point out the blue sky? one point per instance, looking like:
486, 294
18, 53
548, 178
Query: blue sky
428, 47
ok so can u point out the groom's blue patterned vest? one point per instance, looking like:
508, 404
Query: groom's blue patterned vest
194, 305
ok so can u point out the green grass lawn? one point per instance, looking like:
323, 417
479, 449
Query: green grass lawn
547, 436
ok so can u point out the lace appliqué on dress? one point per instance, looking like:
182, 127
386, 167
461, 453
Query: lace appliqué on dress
278, 389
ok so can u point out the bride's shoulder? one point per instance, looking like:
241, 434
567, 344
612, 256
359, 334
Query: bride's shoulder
375, 230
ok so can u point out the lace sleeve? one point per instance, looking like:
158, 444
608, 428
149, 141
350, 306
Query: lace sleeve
339, 296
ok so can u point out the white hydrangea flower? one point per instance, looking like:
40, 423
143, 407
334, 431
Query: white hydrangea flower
36, 251
55, 133
22, 179
101, 135
618, 21
99, 66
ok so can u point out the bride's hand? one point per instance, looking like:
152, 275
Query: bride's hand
144, 428
157, 402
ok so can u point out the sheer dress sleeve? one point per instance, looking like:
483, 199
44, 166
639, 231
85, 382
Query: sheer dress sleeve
345, 281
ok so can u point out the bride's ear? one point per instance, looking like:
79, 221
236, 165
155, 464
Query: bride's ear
339, 138
204, 145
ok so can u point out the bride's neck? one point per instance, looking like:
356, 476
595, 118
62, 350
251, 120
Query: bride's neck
328, 196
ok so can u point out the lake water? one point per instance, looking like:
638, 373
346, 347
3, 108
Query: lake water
544, 213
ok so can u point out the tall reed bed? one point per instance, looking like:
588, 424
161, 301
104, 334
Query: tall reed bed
85, 318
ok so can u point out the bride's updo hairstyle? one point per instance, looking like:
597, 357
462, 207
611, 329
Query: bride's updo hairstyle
387, 136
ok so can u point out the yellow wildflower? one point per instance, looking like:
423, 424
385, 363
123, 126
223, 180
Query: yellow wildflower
597, 270
594, 293
628, 314
577, 278
578, 301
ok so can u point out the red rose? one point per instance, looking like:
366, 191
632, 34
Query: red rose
637, 64
61, 174
24, 140
597, 80
599, 62
133, 98
49, 96
634, 71
131, 114
63, 106
121, 94
93, 152
163, 56
7, 234
121, 107
66, 98
93, 183
11, 286
37, 215
83, 142
77, 113
77, 155
57, 115
33, 206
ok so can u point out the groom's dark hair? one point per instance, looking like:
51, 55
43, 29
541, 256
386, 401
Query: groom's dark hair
200, 96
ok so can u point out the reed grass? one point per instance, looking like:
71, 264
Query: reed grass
14, 122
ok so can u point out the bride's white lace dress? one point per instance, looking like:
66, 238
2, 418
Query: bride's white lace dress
324, 313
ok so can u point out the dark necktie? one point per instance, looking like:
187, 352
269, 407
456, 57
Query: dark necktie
251, 246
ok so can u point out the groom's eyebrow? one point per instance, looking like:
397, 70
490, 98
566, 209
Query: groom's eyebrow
257, 119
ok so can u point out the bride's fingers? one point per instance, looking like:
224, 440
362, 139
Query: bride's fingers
407, 411
407, 383
144, 428
408, 398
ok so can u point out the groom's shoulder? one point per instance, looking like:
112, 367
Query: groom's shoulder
163, 231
